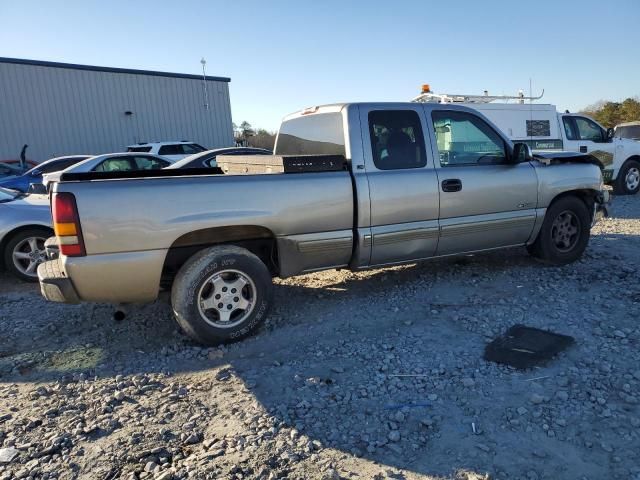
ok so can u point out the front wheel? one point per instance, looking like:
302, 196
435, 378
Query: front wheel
565, 232
221, 294
628, 180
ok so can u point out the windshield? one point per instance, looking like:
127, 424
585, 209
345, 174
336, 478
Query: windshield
7, 195
629, 131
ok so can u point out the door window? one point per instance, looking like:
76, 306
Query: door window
150, 163
589, 130
464, 139
397, 141
117, 164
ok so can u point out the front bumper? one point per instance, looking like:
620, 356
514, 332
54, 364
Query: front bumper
602, 206
54, 284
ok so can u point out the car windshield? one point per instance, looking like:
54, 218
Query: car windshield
6, 195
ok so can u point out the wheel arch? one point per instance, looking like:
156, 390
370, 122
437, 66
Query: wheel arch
257, 239
587, 195
12, 233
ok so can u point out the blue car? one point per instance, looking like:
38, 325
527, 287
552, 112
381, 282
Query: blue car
22, 182
8, 171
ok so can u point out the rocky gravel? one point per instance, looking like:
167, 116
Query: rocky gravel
374, 375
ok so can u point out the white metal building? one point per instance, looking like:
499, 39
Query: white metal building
62, 109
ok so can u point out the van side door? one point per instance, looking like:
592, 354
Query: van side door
403, 187
486, 199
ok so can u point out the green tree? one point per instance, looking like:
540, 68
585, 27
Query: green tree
611, 114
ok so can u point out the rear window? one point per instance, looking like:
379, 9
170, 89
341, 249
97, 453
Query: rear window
321, 134
139, 149
181, 149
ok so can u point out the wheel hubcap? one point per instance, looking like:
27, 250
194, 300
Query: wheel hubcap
633, 178
28, 254
565, 231
226, 298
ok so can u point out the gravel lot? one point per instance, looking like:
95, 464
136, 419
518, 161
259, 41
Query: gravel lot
368, 375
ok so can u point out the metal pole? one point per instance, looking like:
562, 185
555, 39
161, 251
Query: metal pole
204, 83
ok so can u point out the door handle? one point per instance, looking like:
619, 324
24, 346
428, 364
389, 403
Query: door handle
583, 149
452, 185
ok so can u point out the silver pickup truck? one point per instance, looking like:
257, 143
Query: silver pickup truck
420, 181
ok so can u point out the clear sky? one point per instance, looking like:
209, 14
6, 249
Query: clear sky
286, 55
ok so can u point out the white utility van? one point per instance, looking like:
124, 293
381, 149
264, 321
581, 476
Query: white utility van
543, 128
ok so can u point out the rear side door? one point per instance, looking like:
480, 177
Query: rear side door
486, 200
403, 186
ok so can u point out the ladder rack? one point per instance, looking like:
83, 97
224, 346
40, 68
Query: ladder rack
427, 96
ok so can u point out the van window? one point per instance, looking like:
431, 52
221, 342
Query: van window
315, 134
465, 139
139, 149
397, 141
538, 128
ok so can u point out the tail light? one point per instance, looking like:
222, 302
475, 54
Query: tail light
66, 224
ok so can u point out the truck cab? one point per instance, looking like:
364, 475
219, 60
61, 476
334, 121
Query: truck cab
619, 156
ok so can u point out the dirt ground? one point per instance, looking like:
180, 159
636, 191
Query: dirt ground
378, 374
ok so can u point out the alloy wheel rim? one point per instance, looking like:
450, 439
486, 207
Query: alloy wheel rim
226, 298
28, 254
565, 231
633, 178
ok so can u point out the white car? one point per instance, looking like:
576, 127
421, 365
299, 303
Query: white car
112, 162
173, 150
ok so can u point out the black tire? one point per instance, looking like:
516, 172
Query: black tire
17, 242
202, 275
621, 185
555, 245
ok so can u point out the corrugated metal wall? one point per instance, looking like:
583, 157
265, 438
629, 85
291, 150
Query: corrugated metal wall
62, 111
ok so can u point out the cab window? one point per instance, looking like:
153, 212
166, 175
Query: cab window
465, 139
397, 141
589, 130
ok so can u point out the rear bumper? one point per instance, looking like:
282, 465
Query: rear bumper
54, 284
132, 277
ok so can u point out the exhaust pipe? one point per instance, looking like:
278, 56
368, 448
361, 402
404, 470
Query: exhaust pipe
120, 312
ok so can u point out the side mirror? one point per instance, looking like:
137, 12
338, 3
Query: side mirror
37, 188
521, 153
610, 132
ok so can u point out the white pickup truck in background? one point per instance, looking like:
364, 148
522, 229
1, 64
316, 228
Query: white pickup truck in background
543, 128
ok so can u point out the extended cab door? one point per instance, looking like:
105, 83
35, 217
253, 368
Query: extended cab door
403, 186
486, 201
584, 135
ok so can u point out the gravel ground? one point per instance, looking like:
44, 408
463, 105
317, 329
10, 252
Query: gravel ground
356, 375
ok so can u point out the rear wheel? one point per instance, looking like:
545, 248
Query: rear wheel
565, 232
628, 180
221, 294
25, 251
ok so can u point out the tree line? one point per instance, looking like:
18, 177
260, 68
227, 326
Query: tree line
247, 136
610, 114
